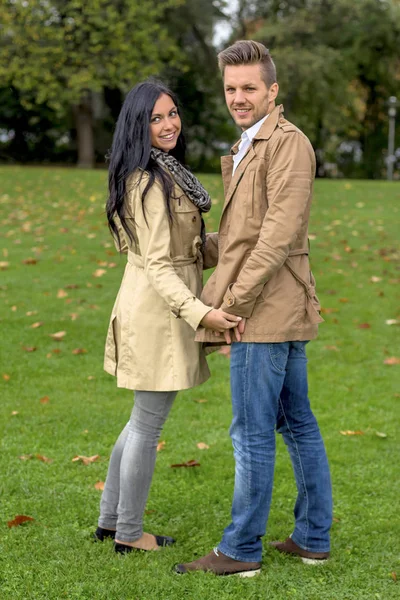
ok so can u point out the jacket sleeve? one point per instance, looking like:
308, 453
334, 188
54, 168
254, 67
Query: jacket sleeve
290, 178
211, 251
152, 229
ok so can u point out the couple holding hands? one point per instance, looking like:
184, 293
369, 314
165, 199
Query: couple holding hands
260, 297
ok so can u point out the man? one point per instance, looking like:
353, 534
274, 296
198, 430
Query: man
263, 276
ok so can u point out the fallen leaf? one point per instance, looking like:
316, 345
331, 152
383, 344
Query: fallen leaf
99, 272
36, 325
393, 576
14, 308
44, 400
31, 312
43, 458
6, 377
202, 446
99, 485
62, 293
18, 520
328, 311
348, 432
58, 336
375, 279
29, 348
4, 265
14, 412
72, 286
26, 456
74, 316
86, 459
344, 300
336, 520
90, 377
189, 463
149, 511
29, 261
79, 351
364, 326
381, 434
56, 351
392, 322
335, 348
201, 400
160, 446
393, 360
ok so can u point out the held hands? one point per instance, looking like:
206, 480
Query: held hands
221, 322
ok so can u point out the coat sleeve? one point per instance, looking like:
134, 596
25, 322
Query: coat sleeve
289, 183
211, 251
152, 230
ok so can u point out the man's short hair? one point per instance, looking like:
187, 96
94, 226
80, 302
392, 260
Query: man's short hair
248, 52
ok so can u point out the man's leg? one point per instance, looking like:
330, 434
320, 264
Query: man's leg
257, 376
297, 424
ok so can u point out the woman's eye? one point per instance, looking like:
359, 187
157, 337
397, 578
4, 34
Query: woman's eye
155, 120
173, 113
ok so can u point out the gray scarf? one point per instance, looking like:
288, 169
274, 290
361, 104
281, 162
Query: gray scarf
187, 181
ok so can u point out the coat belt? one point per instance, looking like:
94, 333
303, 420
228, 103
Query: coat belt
177, 261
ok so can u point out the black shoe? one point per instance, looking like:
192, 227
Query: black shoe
101, 534
162, 540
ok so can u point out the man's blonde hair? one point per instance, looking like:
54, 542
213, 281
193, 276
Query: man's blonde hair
248, 52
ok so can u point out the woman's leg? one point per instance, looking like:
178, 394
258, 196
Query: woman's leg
110, 497
137, 465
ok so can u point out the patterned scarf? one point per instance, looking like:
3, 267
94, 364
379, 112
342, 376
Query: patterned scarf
187, 181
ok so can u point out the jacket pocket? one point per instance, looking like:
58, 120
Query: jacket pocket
112, 341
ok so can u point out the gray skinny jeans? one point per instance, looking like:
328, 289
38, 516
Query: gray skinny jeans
132, 465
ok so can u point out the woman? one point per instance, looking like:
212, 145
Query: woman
154, 211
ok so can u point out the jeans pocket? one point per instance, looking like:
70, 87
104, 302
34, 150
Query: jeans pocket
278, 354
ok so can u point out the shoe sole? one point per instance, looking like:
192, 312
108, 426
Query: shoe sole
314, 561
248, 573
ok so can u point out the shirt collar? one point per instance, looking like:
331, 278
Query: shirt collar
253, 130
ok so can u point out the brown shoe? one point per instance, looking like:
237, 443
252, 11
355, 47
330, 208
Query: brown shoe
220, 564
309, 558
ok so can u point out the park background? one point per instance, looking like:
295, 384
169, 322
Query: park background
64, 70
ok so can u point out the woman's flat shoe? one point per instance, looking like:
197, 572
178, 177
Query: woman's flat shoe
162, 540
101, 534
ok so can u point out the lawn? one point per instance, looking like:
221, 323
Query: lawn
59, 273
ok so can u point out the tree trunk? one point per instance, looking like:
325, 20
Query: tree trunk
83, 115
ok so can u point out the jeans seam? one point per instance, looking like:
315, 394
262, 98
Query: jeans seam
301, 470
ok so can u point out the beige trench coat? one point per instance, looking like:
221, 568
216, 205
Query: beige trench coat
150, 341
263, 270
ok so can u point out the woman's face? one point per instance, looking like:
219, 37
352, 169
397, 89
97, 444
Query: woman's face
165, 124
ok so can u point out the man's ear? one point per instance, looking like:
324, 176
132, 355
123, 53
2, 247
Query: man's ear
273, 92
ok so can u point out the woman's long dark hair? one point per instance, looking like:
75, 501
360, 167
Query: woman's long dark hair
130, 150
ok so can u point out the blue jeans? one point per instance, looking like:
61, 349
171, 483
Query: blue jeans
270, 392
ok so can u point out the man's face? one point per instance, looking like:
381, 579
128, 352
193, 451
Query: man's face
247, 97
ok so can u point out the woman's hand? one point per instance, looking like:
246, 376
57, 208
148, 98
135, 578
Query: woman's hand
220, 322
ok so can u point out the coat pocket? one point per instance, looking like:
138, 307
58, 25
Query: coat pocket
112, 343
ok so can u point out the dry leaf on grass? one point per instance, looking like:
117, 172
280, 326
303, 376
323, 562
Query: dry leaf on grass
79, 351
335, 348
202, 446
99, 485
31, 312
6, 377
44, 400
29, 261
201, 400
364, 326
86, 459
393, 360
99, 272
14, 412
62, 294
375, 279
29, 348
18, 520
348, 432
36, 325
160, 446
58, 336
189, 463
392, 322
4, 265
393, 576
37, 456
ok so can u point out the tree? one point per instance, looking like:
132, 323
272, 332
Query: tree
59, 53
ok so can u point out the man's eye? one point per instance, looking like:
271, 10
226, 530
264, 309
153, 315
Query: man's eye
251, 89
230, 89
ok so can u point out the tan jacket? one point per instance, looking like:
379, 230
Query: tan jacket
263, 270
150, 341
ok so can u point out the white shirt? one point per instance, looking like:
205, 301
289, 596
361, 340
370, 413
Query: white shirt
246, 140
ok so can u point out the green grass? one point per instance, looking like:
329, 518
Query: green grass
56, 217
